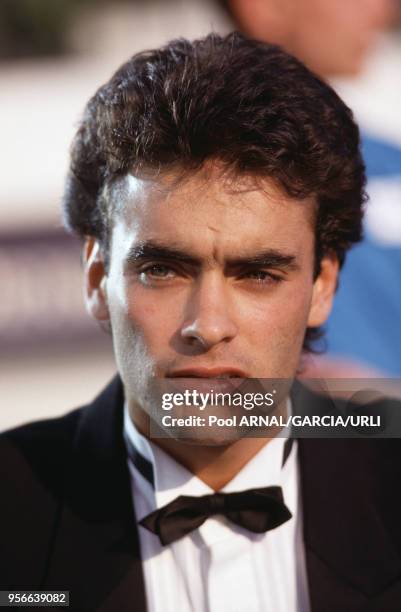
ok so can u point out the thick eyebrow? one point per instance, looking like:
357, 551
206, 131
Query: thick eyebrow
269, 258
152, 250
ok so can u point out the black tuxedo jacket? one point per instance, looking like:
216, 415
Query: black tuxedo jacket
67, 521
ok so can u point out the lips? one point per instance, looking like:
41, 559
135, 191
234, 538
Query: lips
222, 379
205, 372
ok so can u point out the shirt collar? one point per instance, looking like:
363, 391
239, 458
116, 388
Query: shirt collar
171, 479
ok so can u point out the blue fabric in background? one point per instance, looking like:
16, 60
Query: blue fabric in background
365, 324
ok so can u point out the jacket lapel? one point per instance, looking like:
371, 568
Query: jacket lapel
95, 552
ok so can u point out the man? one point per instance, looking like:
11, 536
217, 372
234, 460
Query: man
217, 186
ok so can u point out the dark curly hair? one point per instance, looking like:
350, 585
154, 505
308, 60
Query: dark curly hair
249, 105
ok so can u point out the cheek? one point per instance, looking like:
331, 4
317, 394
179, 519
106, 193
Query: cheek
132, 326
151, 318
289, 308
278, 325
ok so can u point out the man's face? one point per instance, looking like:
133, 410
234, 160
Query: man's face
208, 277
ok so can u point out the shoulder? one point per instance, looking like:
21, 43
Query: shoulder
41, 451
48, 470
58, 427
34, 460
45, 441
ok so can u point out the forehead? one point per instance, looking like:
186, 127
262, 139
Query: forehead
205, 208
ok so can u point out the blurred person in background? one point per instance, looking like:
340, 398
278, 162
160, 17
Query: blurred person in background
334, 38
331, 37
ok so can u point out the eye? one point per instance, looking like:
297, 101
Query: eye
262, 277
156, 272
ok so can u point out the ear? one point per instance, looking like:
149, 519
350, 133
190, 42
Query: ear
95, 281
323, 291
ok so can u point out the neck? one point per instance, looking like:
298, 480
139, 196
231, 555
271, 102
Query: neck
214, 464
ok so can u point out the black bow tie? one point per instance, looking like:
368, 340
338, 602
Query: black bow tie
258, 510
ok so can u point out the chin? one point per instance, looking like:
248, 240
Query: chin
210, 436
210, 442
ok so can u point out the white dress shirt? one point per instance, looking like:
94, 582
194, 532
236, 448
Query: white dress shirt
220, 567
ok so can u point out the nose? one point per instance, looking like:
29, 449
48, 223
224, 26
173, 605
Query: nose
209, 319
